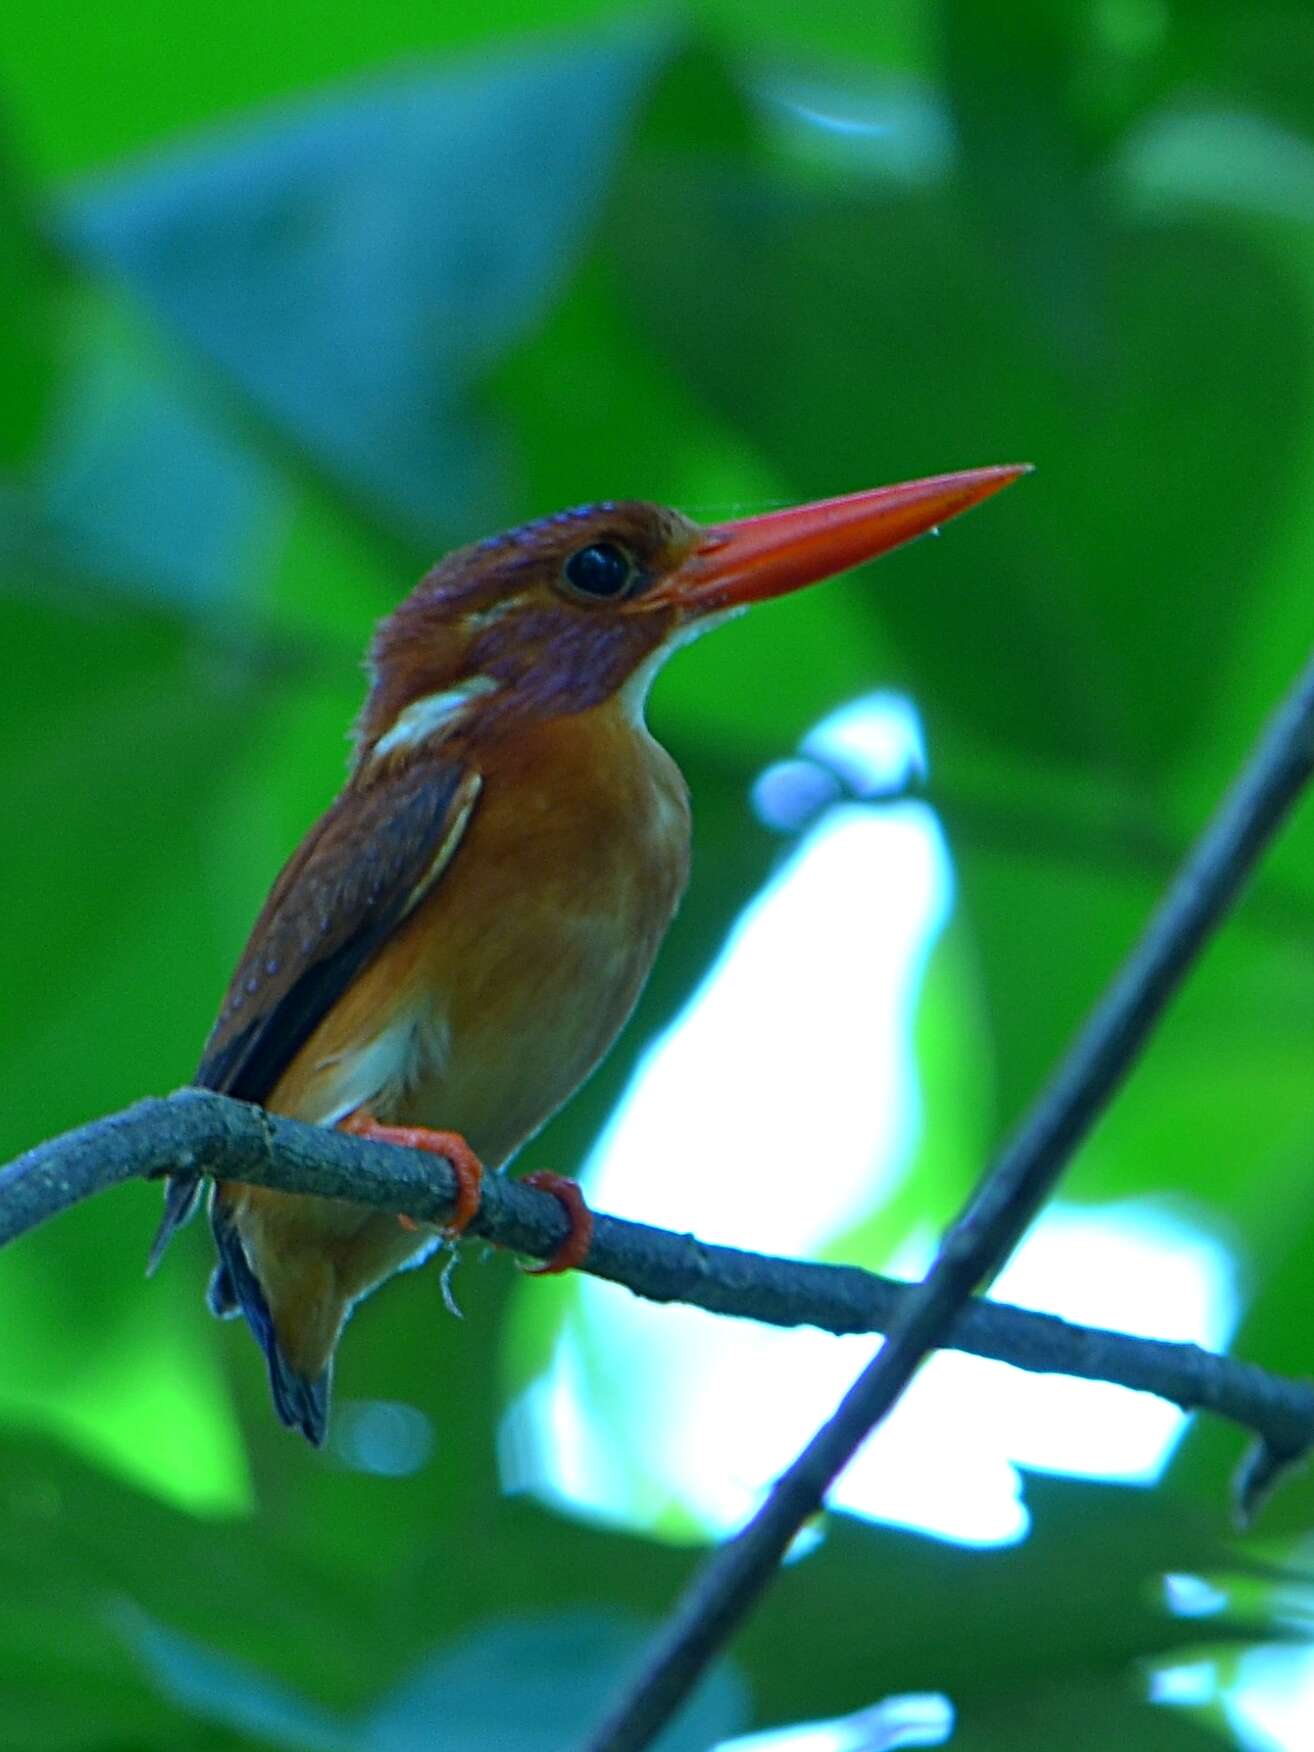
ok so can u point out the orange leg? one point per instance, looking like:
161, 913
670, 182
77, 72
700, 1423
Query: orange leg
466, 1166
574, 1249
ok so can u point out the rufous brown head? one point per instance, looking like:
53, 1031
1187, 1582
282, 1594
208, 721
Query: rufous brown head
562, 614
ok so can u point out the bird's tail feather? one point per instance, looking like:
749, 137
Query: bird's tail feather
220, 1296
181, 1192
301, 1402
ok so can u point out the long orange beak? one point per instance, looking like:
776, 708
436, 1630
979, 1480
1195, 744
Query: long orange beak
760, 557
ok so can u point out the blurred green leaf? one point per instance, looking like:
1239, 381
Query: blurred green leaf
110, 753
523, 1686
1077, 1598
1086, 1718
1031, 182
1253, 56
1076, 1601
356, 271
28, 294
230, 1694
142, 488
532, 1685
897, 347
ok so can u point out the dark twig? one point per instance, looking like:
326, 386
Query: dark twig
1019, 1180
207, 1133
211, 1134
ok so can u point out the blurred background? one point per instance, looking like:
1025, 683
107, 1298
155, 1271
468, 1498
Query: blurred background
300, 296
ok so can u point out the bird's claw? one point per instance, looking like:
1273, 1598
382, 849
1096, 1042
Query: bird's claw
574, 1250
451, 1146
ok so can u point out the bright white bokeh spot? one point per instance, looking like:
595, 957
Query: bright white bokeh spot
790, 794
1271, 1704
382, 1436
873, 743
707, 1412
1192, 1597
777, 1112
1136, 1267
870, 747
1192, 1684
918, 1718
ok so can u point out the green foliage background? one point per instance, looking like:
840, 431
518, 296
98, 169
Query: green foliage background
296, 296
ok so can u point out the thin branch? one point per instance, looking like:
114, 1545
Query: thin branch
205, 1133
1022, 1176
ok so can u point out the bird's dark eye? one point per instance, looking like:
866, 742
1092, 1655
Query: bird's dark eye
601, 569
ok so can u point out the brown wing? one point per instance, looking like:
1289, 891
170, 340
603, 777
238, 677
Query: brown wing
356, 876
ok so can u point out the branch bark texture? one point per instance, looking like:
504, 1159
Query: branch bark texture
211, 1134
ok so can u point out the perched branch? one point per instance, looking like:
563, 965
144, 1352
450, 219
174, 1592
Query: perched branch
212, 1134
1022, 1176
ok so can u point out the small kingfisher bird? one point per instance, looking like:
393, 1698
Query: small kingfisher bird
459, 939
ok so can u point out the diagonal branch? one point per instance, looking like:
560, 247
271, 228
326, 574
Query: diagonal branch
207, 1133
1021, 1178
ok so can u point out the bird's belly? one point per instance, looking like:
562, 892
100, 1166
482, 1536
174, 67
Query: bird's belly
528, 1027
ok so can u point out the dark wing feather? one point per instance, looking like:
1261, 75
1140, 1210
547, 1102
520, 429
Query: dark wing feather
356, 876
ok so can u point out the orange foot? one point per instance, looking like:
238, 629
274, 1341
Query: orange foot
574, 1249
465, 1165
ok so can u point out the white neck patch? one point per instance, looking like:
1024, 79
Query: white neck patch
434, 715
634, 693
